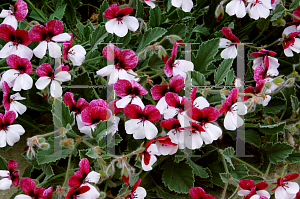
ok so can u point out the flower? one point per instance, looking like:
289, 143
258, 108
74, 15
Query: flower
18, 77
48, 36
296, 12
9, 133
150, 3
165, 146
175, 67
229, 44
130, 92
250, 189
176, 134
91, 116
290, 42
10, 102
18, 13
47, 194
47, 77
158, 92
141, 125
77, 193
259, 8
18, 41
186, 5
148, 155
198, 192
76, 53
236, 7
233, 109
286, 189
9, 177
264, 59
123, 63
120, 23
258, 197
137, 191
83, 176
76, 108
29, 187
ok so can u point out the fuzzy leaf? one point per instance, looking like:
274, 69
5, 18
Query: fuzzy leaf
155, 17
92, 153
103, 7
271, 129
150, 36
239, 172
222, 71
294, 157
181, 173
177, 29
165, 195
198, 78
61, 114
277, 152
295, 103
98, 36
275, 105
229, 78
201, 29
278, 12
228, 154
294, 5
83, 79
3, 164
198, 170
59, 12
252, 137
47, 169
225, 177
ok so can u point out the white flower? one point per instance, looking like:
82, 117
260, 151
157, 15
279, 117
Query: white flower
186, 5
236, 7
150, 3
259, 8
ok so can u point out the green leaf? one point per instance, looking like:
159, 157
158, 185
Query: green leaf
225, 177
229, 78
181, 173
139, 10
271, 129
263, 24
83, 79
255, 178
61, 114
59, 12
275, 105
123, 189
179, 156
103, 7
198, 170
150, 36
252, 137
54, 153
177, 29
109, 140
294, 157
294, 5
92, 153
222, 71
27, 172
201, 29
100, 130
239, 172
277, 13
98, 36
36, 16
206, 55
155, 63
165, 195
277, 152
124, 40
228, 154
3, 164
155, 17
295, 103
47, 169
198, 79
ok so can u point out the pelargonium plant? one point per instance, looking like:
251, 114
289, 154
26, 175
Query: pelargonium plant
143, 99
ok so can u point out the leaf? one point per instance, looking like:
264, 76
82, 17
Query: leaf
225, 177
54, 153
103, 7
100, 130
201, 29
229, 78
155, 17
198, 170
277, 152
295, 103
263, 24
205, 56
179, 156
239, 172
155, 63
271, 129
83, 79
217, 168
124, 40
3, 164
294, 5
275, 105
256, 179
47, 169
92, 153
222, 71
139, 10
123, 189
198, 79
36, 16
61, 114
27, 171
252, 137
165, 195
59, 12
181, 173
177, 29
294, 157
98, 36
228, 154
150, 36
277, 13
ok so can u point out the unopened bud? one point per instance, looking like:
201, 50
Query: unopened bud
30, 153
110, 170
125, 174
279, 22
219, 13
45, 146
162, 53
140, 150
102, 195
41, 140
293, 130
142, 55
176, 38
298, 125
290, 82
143, 26
278, 81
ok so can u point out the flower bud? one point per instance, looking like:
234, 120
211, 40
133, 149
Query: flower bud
174, 38
30, 153
110, 170
102, 195
45, 146
278, 81
279, 22
290, 82
143, 26
140, 150
125, 174
162, 53
41, 140
219, 13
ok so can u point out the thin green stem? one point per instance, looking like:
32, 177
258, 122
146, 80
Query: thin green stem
158, 74
68, 168
171, 13
40, 176
250, 166
224, 191
45, 2
224, 164
6, 67
251, 46
292, 169
106, 184
33, 126
96, 94
268, 169
53, 132
273, 43
283, 112
293, 15
42, 16
93, 59
53, 178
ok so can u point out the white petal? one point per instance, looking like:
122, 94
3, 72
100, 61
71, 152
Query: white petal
40, 50
16, 128
164, 149
18, 83
288, 52
263, 193
79, 121
280, 193
150, 3
184, 65
224, 43
212, 132
187, 5
241, 108
230, 52
162, 105
91, 194
3, 138
253, 12
62, 37
18, 107
86, 130
150, 130
93, 177
258, 62
240, 9
78, 55
6, 50
109, 26
5, 184
131, 22
23, 196
11, 20
4, 173
42, 82
27, 81
193, 140
62, 76
243, 192
55, 89
201, 102
170, 112
12, 137
131, 126
17, 96
54, 50
230, 7
122, 103
229, 123
137, 100
140, 193
263, 11
123, 74
106, 70
24, 52
176, 3
152, 149
120, 29
5, 13
292, 187
149, 166
114, 76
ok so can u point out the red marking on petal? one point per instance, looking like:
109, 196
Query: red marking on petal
169, 67
135, 186
296, 12
147, 157
98, 102
171, 123
76, 180
123, 87
20, 10
174, 50
38, 33
151, 113
261, 185
93, 115
47, 194
126, 179
110, 12
259, 73
176, 83
6, 96
15, 179
133, 111
291, 177
248, 89
21, 37
246, 184
158, 91
56, 27
27, 185
12, 165
210, 113
197, 192
123, 12
44, 70
69, 100
9, 117
172, 99
193, 94
84, 166
129, 59
229, 35
7, 32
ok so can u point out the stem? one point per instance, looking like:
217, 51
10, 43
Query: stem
93, 59
54, 177
106, 185
151, 99
6, 67
292, 169
224, 163
245, 163
42, 16
40, 176
68, 168
48, 6
224, 191
283, 112
171, 13
35, 127
273, 43
268, 169
251, 46
47, 134
158, 74
293, 15
96, 94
